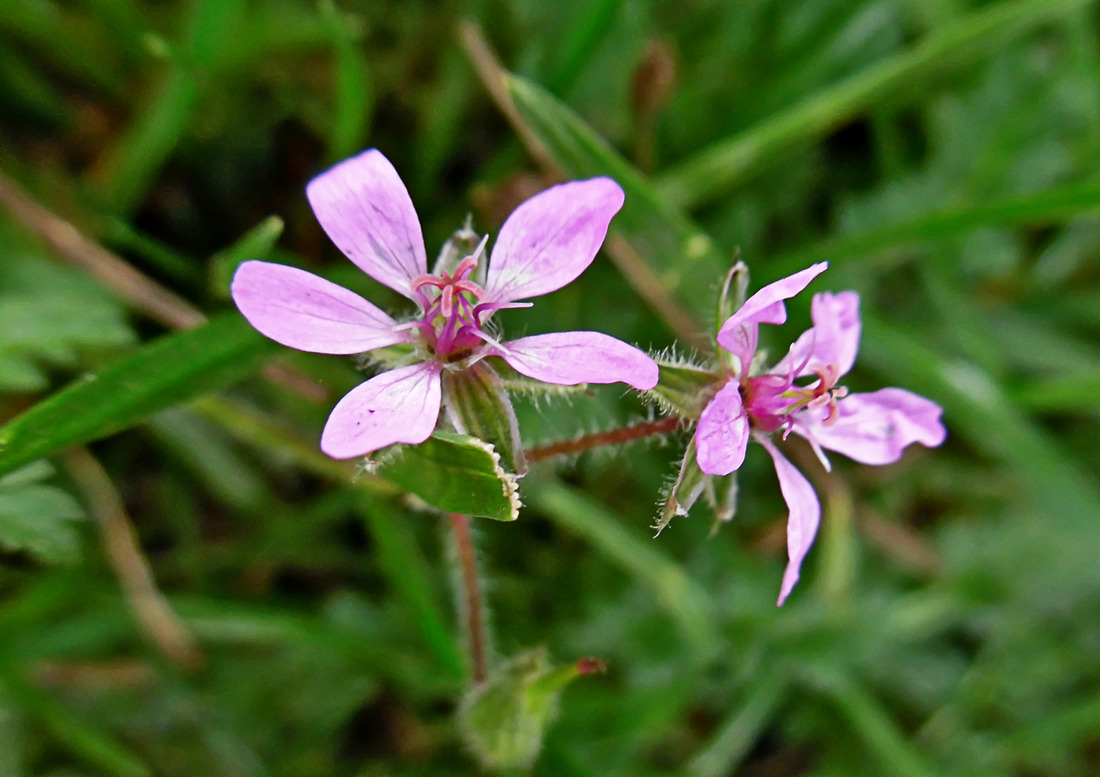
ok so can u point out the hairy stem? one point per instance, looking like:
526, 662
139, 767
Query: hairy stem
618, 436
471, 596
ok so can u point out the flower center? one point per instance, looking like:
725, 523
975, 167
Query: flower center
451, 320
772, 400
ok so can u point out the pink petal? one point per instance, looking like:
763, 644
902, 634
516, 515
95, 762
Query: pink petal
401, 405
300, 310
569, 358
551, 238
367, 212
722, 436
875, 428
834, 339
738, 333
805, 515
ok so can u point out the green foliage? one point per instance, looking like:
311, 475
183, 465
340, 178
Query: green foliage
38, 519
38, 333
453, 473
941, 156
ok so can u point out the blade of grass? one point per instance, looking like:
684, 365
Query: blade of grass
736, 736
678, 594
906, 76
1050, 206
407, 569
647, 232
352, 95
172, 370
875, 728
82, 740
129, 168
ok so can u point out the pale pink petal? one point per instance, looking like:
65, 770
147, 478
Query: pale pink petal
722, 436
300, 310
366, 211
805, 515
738, 333
551, 238
569, 358
834, 339
401, 405
875, 428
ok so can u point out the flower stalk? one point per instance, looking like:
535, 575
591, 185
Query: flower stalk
471, 606
588, 442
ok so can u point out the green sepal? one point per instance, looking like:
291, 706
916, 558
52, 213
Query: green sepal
684, 389
477, 405
690, 483
734, 289
462, 243
503, 719
453, 473
721, 495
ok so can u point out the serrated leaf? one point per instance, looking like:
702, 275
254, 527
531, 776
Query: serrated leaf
454, 473
38, 519
172, 370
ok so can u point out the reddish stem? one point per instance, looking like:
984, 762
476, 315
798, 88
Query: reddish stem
599, 439
471, 589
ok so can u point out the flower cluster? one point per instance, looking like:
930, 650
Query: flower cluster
365, 209
545, 244
752, 403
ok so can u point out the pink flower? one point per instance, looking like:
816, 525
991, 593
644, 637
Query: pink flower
367, 212
870, 428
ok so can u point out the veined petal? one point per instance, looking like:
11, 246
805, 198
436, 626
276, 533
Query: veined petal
401, 405
738, 333
300, 310
875, 428
366, 211
833, 340
569, 358
722, 435
551, 238
805, 515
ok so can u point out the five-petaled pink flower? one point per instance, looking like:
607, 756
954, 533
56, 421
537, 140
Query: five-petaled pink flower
367, 212
871, 428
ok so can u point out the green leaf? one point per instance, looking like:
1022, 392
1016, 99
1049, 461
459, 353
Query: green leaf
39, 327
172, 370
453, 473
38, 519
729, 162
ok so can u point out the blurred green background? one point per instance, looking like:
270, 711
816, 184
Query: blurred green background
942, 155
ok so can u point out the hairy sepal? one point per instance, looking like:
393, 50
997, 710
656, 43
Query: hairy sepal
690, 483
684, 389
477, 405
